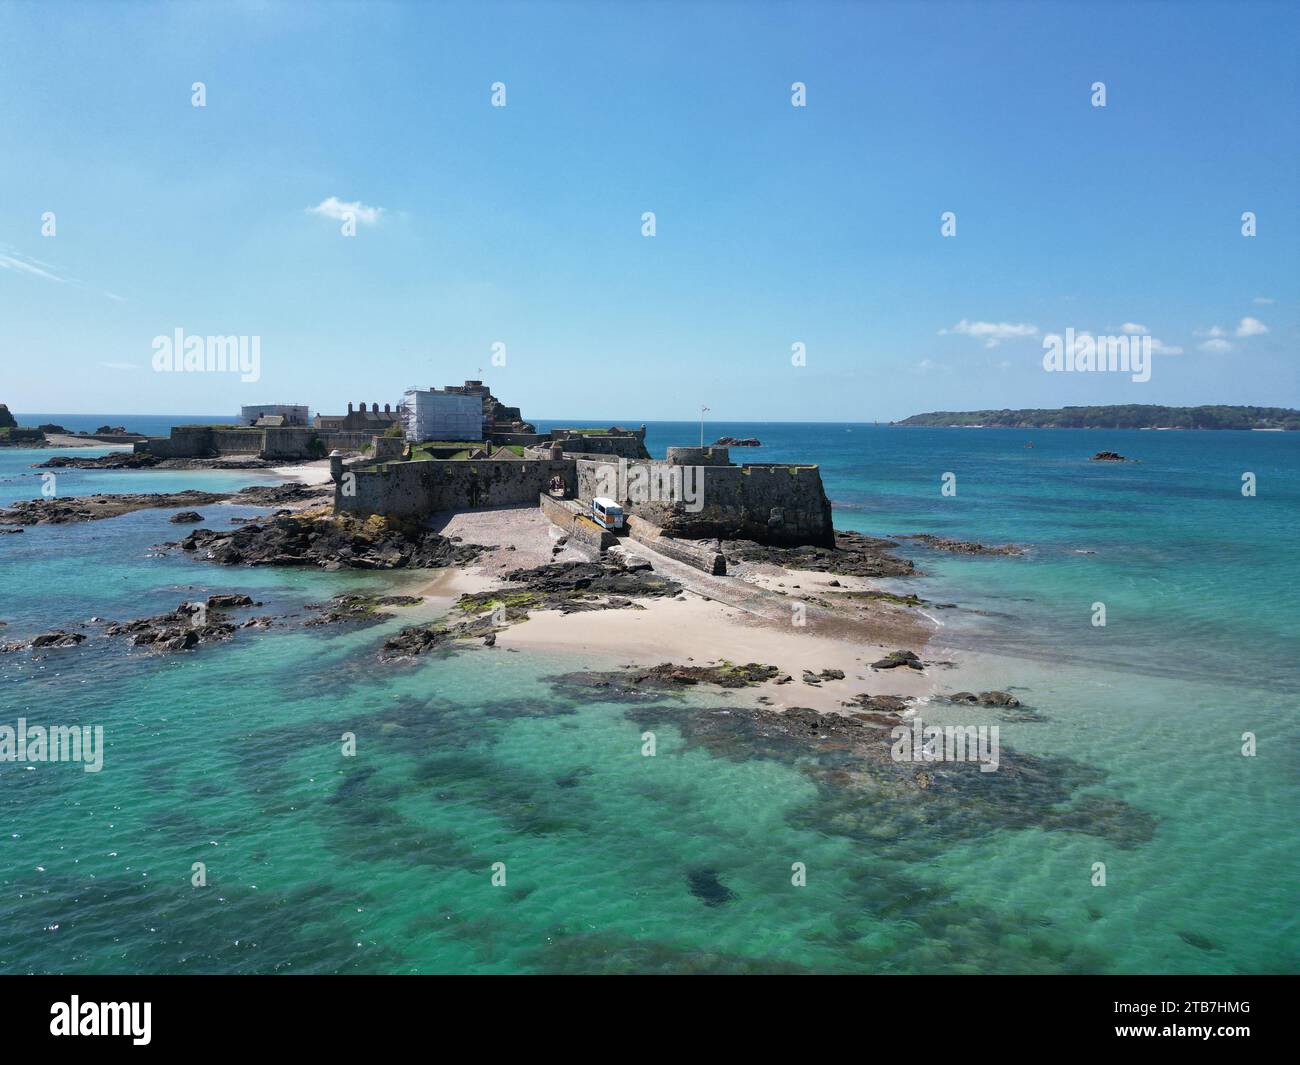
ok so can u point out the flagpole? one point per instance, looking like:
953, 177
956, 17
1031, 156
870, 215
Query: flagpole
702, 410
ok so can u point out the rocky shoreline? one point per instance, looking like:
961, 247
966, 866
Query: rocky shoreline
143, 460
330, 542
854, 555
199, 622
63, 510
611, 583
963, 547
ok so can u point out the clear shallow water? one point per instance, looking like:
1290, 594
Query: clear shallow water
383, 862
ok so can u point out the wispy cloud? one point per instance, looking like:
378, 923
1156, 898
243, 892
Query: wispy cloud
340, 211
992, 333
1215, 346
1132, 328
1251, 327
1263, 301
12, 259
120, 365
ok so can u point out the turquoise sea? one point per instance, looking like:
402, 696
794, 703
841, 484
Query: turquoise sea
383, 862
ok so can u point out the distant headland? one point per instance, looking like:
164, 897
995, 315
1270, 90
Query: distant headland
1121, 416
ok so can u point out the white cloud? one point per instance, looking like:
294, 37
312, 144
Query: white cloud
1216, 346
1159, 347
1213, 331
1263, 300
339, 211
1251, 327
992, 333
1132, 327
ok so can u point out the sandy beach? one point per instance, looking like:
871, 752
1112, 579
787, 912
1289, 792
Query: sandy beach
748, 616
739, 619
316, 472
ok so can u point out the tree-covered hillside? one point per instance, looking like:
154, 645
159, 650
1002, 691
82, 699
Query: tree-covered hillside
1123, 416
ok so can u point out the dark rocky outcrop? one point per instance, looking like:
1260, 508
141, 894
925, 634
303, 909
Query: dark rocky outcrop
896, 659
144, 460
854, 555
358, 607
65, 509
1108, 456
993, 698
62, 510
574, 586
568, 587
185, 517
880, 709
114, 460
7, 420
185, 628
964, 547
230, 601
342, 542
737, 441
57, 638
809, 677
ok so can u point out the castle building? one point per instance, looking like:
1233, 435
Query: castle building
360, 420
275, 414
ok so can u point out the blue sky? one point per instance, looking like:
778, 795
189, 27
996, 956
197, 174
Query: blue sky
774, 224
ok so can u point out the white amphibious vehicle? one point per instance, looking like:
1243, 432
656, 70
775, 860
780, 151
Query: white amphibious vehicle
605, 512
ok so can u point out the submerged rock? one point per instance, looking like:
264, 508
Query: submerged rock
358, 607
706, 886
57, 638
1108, 456
854, 555
963, 547
665, 678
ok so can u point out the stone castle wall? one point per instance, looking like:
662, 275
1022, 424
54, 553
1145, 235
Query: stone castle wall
418, 489
773, 504
287, 442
